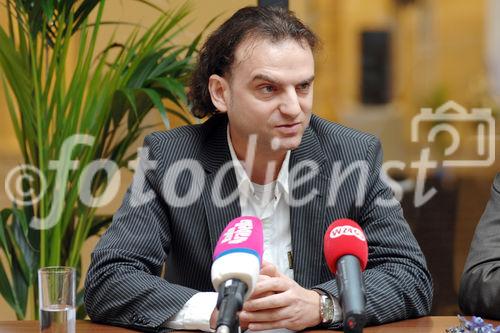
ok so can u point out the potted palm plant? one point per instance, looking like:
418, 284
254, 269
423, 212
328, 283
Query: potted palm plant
100, 102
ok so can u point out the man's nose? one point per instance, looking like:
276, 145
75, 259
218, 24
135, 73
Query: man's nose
290, 104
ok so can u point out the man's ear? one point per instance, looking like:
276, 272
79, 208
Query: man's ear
219, 92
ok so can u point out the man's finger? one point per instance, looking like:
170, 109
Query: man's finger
266, 263
263, 277
270, 315
267, 325
269, 269
274, 285
264, 303
257, 294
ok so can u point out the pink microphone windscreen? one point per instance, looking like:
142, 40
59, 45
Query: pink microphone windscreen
243, 234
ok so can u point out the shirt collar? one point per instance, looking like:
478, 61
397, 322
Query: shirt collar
244, 183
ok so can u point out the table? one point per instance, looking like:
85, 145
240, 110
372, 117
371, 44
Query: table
434, 324
420, 325
82, 326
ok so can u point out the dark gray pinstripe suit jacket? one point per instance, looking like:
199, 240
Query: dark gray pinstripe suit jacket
124, 287
480, 286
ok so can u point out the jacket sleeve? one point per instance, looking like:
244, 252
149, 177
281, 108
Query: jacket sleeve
397, 283
123, 285
480, 285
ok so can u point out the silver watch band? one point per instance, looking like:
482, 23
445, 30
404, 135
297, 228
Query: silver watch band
326, 308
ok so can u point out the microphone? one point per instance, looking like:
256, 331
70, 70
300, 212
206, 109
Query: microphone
346, 253
236, 267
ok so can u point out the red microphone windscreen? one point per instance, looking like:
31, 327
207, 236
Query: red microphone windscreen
344, 237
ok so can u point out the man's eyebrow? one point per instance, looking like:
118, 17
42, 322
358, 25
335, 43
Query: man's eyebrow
307, 81
264, 77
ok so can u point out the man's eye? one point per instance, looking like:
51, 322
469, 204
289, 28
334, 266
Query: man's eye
304, 87
267, 89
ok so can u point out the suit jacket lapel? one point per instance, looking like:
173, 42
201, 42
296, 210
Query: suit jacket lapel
220, 178
307, 221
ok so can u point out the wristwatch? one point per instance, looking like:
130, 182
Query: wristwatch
326, 309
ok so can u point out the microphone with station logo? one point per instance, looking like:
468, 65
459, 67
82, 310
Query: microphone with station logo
346, 253
236, 267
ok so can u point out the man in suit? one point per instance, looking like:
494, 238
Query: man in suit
480, 285
260, 153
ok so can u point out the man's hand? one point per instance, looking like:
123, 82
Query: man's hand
213, 318
267, 270
280, 302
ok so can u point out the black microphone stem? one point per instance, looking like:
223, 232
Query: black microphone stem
229, 303
352, 293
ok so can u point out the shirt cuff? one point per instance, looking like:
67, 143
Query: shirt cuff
195, 314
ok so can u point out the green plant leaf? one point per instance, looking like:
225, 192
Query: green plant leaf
4, 216
20, 246
47, 8
152, 5
143, 71
20, 285
83, 11
156, 99
171, 85
119, 107
134, 115
6, 291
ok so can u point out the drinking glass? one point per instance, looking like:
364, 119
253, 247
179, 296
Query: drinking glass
56, 296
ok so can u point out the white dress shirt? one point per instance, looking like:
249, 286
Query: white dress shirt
268, 202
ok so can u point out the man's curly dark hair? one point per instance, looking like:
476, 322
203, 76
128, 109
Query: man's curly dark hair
217, 54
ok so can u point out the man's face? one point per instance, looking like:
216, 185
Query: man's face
270, 93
